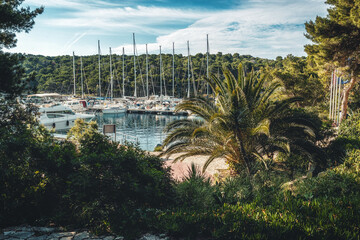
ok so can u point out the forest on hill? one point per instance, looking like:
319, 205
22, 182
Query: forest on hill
299, 75
55, 74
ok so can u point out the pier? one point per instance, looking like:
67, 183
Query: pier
97, 110
158, 112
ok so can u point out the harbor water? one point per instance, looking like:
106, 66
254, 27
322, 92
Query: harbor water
147, 129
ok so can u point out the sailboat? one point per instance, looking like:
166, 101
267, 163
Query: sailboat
112, 107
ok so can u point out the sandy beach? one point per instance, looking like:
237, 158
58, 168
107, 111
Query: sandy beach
180, 168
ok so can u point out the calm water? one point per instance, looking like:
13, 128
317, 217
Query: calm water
147, 128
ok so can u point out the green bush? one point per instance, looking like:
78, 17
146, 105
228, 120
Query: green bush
341, 181
95, 184
347, 139
195, 191
350, 128
28, 192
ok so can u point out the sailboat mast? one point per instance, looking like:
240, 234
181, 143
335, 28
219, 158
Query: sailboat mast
135, 93
160, 75
74, 73
82, 80
99, 68
173, 71
111, 78
147, 73
188, 92
123, 72
207, 63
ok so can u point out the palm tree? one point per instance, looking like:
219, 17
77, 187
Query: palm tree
237, 125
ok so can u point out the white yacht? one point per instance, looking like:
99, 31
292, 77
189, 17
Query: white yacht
60, 117
112, 108
77, 105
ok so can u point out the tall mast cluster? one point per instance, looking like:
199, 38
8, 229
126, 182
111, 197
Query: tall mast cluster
162, 77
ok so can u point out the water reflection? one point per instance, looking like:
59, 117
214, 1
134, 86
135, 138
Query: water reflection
148, 128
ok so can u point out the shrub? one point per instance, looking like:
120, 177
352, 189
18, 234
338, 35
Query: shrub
341, 181
115, 184
348, 139
33, 167
195, 191
95, 184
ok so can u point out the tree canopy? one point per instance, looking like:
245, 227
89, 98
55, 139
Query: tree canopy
13, 19
336, 39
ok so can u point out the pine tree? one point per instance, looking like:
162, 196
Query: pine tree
13, 19
336, 39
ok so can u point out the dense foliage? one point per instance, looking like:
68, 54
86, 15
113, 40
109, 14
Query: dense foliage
14, 18
248, 124
98, 184
336, 43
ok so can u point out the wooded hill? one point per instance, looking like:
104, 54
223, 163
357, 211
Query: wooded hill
55, 74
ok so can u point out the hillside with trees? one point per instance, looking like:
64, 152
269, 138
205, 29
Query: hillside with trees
293, 173
55, 74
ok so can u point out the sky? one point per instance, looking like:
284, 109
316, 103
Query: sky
261, 28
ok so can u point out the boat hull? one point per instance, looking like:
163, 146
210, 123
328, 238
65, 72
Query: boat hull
114, 111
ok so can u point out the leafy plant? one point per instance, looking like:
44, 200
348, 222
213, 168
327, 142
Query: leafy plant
247, 123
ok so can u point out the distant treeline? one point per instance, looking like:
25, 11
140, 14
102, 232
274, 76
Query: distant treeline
55, 74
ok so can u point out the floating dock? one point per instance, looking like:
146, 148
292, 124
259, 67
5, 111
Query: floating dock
95, 110
158, 112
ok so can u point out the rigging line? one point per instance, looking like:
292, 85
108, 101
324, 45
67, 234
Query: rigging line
152, 81
99, 52
68, 90
117, 79
107, 91
125, 78
162, 73
85, 81
141, 76
114, 74
200, 84
192, 77
77, 76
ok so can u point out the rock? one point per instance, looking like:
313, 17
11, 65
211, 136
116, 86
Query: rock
9, 233
119, 238
66, 238
24, 229
44, 229
62, 234
109, 238
42, 237
148, 236
21, 235
81, 236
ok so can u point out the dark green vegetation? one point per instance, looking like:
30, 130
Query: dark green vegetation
293, 176
96, 184
248, 124
336, 42
13, 19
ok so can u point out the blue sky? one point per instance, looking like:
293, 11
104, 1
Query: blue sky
262, 28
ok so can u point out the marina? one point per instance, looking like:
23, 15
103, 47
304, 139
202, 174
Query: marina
145, 129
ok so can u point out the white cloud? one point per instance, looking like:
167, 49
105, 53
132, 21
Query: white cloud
268, 30
261, 28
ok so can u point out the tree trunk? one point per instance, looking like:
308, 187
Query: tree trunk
346, 91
